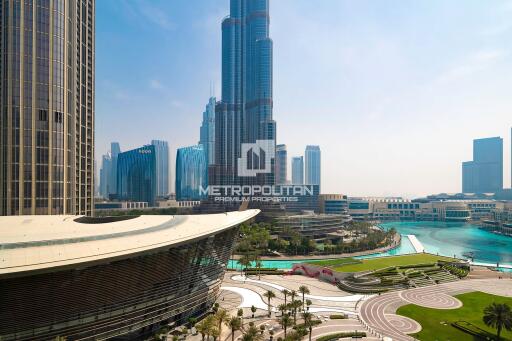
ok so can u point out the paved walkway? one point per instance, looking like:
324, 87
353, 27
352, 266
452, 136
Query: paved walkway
416, 244
378, 312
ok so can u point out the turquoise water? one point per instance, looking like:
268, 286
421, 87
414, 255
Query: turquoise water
447, 239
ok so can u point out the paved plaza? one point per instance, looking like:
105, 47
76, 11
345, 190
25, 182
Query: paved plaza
373, 314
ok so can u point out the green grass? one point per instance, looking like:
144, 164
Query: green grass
335, 262
436, 323
384, 262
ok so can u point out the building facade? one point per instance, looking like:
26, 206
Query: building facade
333, 203
47, 107
191, 173
136, 175
313, 165
485, 173
281, 164
162, 167
207, 131
105, 171
298, 170
115, 150
111, 277
244, 114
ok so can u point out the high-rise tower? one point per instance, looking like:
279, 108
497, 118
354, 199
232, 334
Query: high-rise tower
162, 167
244, 115
312, 165
485, 173
47, 107
207, 131
298, 170
281, 164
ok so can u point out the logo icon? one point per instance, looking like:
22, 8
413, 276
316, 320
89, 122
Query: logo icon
256, 158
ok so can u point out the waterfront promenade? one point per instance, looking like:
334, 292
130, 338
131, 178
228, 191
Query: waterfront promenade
418, 247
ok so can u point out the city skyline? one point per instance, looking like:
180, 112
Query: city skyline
369, 120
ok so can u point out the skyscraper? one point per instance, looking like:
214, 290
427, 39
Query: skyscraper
312, 166
105, 171
281, 164
244, 115
136, 175
207, 131
47, 107
485, 173
115, 150
162, 167
298, 170
191, 172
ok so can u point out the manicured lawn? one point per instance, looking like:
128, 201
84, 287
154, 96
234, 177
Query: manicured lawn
335, 262
384, 262
436, 325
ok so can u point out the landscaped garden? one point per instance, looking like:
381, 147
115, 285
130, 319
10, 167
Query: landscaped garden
465, 323
372, 264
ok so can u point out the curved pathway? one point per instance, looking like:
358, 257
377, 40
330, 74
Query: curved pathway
378, 312
349, 298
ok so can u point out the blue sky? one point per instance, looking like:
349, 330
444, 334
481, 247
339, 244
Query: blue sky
392, 91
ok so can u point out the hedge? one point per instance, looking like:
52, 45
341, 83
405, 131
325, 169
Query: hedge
340, 335
338, 317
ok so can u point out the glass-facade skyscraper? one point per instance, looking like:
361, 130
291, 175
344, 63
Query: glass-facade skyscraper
244, 114
281, 164
105, 171
115, 150
191, 172
162, 167
312, 165
485, 173
136, 175
47, 107
207, 131
298, 170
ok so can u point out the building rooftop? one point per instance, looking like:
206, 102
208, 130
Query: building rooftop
30, 243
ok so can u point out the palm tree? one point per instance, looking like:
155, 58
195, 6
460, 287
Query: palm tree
295, 305
215, 333
282, 308
293, 293
269, 295
221, 317
201, 328
235, 324
258, 265
209, 325
252, 334
244, 261
253, 310
240, 314
308, 318
308, 303
499, 316
285, 292
285, 322
303, 290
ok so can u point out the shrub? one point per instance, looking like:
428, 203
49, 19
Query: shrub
338, 317
340, 335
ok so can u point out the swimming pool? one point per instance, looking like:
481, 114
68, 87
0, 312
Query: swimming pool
447, 239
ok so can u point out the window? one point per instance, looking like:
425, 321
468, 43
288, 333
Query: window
43, 115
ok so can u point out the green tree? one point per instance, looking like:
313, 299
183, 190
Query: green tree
221, 317
304, 290
285, 292
308, 303
245, 262
269, 295
234, 323
285, 322
253, 310
499, 316
308, 323
259, 265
